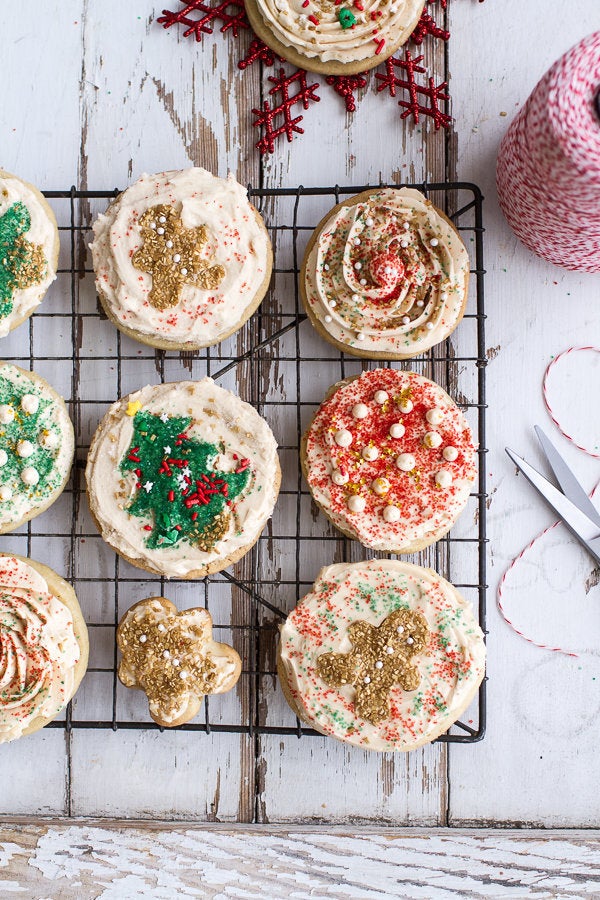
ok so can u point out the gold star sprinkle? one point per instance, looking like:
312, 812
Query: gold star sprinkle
132, 407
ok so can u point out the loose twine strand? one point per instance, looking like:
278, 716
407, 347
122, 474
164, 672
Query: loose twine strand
517, 559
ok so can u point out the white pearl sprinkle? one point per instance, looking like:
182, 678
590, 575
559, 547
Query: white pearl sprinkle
406, 320
435, 416
358, 266
30, 403
366, 680
166, 654
7, 414
381, 396
400, 629
30, 476
360, 336
356, 504
3, 457
379, 664
327, 319
184, 271
406, 405
444, 296
406, 225
363, 281
169, 244
381, 486
450, 453
5, 493
326, 267
162, 219
161, 627
369, 453
429, 326
339, 477
175, 663
369, 221
343, 437
357, 242
360, 411
143, 638
432, 440
152, 224
420, 304
404, 244
391, 514
389, 650
176, 257
333, 304
434, 242
397, 430
443, 478
409, 640
25, 449
183, 674
160, 230
406, 462
355, 298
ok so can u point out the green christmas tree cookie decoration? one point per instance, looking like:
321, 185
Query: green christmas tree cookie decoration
177, 488
346, 17
21, 262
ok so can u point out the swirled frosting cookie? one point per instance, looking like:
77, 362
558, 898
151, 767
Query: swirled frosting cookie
43, 646
182, 478
335, 38
181, 259
390, 459
36, 446
172, 657
29, 248
385, 275
381, 654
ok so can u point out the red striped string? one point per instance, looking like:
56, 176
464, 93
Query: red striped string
517, 559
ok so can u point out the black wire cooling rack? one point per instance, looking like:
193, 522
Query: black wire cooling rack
278, 363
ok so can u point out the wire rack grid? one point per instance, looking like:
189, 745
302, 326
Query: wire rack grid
280, 365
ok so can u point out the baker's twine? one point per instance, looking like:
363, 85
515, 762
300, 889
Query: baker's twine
548, 169
517, 559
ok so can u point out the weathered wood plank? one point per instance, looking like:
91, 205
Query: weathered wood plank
93, 861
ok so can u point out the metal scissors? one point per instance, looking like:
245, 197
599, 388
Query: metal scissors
571, 502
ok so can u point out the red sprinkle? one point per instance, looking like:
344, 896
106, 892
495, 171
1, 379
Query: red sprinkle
171, 496
147, 527
380, 44
313, 19
194, 516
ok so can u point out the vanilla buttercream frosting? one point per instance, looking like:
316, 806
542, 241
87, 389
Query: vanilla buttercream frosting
387, 274
230, 242
315, 29
351, 599
40, 238
38, 649
378, 466
182, 475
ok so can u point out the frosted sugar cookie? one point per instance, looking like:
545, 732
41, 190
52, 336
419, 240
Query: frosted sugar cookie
36, 446
381, 654
390, 460
43, 646
182, 478
334, 38
385, 275
29, 248
172, 657
181, 258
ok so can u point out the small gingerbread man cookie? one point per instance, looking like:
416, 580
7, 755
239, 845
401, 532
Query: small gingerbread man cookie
172, 657
381, 657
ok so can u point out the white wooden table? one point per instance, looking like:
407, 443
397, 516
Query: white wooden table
96, 94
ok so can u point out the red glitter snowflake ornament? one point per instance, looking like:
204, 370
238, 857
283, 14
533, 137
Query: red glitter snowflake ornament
413, 106
345, 86
426, 25
232, 13
267, 117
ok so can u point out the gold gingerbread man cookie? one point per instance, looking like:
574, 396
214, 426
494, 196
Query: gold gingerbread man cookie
172, 657
381, 657
172, 255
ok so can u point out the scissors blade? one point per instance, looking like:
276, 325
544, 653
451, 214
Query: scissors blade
582, 527
569, 484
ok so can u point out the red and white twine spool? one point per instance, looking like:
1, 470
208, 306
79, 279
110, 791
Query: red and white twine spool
548, 170
517, 559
